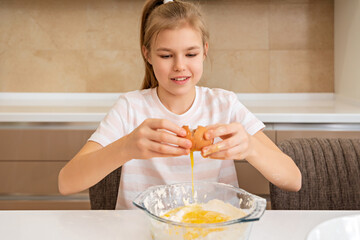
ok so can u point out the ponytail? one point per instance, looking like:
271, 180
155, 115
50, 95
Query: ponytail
149, 78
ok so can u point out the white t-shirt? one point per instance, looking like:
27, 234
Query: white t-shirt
211, 106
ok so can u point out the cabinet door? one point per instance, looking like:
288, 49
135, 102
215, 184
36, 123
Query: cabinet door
41, 144
29, 177
30, 162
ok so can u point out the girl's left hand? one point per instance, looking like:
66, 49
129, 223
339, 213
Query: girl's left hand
235, 144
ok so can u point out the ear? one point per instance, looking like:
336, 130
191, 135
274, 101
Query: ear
206, 48
146, 54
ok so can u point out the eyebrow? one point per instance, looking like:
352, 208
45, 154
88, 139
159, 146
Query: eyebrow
169, 50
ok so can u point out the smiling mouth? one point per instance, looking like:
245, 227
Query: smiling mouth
180, 78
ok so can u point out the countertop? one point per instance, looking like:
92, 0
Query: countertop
92, 107
133, 224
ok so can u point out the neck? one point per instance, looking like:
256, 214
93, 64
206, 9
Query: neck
175, 103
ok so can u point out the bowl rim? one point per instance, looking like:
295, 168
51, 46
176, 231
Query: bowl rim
253, 216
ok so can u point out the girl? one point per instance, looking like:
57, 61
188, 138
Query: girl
143, 134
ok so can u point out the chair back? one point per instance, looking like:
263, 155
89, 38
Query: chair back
330, 175
103, 195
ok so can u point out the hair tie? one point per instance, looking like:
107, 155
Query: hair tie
166, 1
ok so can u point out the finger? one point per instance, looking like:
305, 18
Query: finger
157, 154
168, 138
211, 128
222, 130
221, 146
231, 153
167, 125
167, 149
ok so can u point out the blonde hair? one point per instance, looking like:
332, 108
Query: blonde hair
158, 16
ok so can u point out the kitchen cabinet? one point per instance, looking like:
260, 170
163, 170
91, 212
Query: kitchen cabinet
30, 162
31, 159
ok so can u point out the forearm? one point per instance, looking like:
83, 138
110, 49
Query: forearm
275, 166
88, 168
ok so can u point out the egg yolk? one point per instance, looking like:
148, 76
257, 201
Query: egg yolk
196, 214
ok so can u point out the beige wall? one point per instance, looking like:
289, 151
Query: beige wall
92, 46
347, 49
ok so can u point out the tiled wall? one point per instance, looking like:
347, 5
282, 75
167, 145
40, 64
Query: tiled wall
256, 46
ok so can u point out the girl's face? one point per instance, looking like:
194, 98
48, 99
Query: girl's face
177, 57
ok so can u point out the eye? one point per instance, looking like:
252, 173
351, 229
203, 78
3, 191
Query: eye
191, 55
165, 56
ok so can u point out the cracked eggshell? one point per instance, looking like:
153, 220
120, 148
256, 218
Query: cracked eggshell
196, 136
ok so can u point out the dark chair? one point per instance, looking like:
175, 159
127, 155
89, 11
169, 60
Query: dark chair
103, 195
330, 175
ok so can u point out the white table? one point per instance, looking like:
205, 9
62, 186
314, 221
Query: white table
133, 224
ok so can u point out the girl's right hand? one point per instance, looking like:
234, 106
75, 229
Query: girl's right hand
157, 138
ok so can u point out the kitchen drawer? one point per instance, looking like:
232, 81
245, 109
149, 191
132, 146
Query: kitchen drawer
30, 177
41, 144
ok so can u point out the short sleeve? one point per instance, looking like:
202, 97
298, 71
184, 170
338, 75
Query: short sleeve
241, 114
114, 124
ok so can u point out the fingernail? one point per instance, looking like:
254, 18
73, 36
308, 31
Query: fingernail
205, 151
207, 136
183, 132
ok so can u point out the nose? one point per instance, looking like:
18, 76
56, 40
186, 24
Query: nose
179, 65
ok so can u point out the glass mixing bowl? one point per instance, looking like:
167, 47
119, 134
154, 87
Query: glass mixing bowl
157, 200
